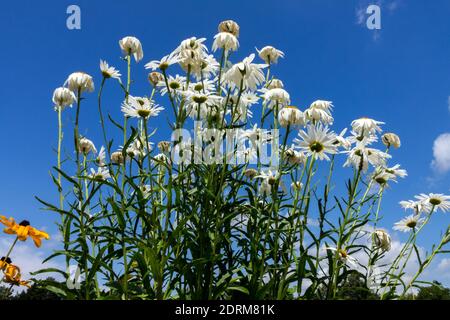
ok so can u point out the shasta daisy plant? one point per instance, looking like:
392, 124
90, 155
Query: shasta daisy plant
206, 216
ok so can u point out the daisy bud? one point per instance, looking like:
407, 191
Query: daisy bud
382, 240
275, 84
80, 81
270, 54
85, 146
155, 77
63, 97
290, 116
391, 139
164, 146
229, 26
250, 173
132, 45
117, 157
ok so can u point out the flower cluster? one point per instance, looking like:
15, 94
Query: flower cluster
22, 231
156, 227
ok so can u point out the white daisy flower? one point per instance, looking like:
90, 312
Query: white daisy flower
290, 116
437, 200
102, 174
416, 206
63, 97
200, 104
80, 81
383, 175
276, 96
320, 111
192, 44
206, 86
109, 72
101, 158
344, 256
364, 140
164, 63
270, 55
343, 142
85, 146
269, 177
360, 157
248, 98
365, 126
396, 171
137, 149
176, 85
207, 68
132, 45
257, 136
317, 141
250, 74
226, 41
294, 157
160, 159
409, 223
246, 154
264, 189
275, 83
137, 107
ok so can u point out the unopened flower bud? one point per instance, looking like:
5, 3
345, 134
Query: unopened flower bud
155, 77
382, 240
229, 26
117, 157
275, 84
250, 173
164, 146
391, 139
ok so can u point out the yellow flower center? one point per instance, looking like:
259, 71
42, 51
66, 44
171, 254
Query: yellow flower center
316, 146
143, 113
411, 224
435, 201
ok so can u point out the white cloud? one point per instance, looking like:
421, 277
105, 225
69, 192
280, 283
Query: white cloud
360, 16
444, 266
441, 153
393, 5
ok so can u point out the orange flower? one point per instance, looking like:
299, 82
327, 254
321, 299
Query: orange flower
23, 230
12, 274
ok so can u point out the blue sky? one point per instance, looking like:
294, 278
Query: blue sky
399, 75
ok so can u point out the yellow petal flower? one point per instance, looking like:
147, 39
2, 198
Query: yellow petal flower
23, 230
